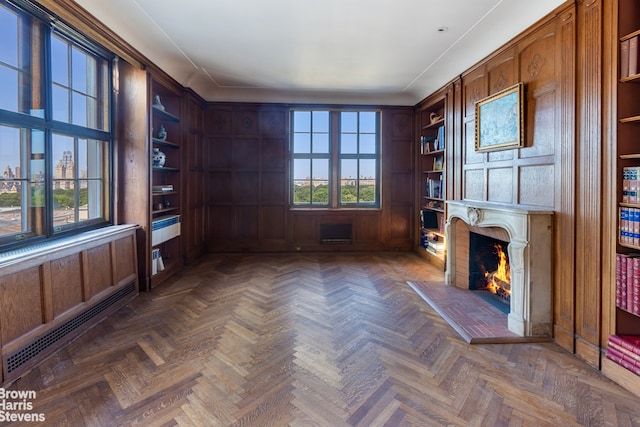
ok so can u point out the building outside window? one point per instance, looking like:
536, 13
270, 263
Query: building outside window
55, 130
335, 159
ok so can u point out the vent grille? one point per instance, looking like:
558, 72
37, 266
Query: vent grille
43, 343
335, 233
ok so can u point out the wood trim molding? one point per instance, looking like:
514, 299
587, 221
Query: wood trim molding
79, 18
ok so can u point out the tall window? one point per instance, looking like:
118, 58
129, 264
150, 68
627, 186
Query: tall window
335, 158
55, 132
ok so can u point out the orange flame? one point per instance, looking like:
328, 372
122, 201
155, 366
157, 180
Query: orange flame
502, 273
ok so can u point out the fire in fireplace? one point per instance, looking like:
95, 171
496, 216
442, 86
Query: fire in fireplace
489, 266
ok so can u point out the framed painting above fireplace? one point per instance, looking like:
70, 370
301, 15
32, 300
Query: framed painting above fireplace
500, 120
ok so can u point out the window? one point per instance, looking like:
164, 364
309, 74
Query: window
335, 158
55, 131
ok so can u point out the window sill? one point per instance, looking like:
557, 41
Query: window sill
44, 248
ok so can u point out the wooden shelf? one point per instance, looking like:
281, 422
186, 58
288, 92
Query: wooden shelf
164, 115
627, 107
431, 153
434, 231
437, 259
165, 169
165, 210
622, 376
434, 125
165, 143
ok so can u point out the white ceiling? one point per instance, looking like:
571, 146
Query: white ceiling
387, 52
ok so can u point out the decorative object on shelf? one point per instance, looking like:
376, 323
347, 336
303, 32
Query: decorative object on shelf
158, 158
434, 117
162, 133
157, 104
500, 120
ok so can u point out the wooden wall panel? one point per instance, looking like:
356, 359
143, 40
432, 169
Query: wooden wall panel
474, 188
193, 184
20, 303
401, 188
245, 122
245, 154
219, 223
589, 190
97, 270
274, 154
272, 223
124, 258
219, 187
59, 282
540, 110
367, 228
273, 188
248, 185
66, 281
541, 175
536, 180
401, 226
501, 71
245, 227
500, 185
246, 188
219, 153
304, 229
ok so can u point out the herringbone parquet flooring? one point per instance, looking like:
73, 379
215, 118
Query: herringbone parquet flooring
310, 340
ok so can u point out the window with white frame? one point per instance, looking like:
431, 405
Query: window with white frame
55, 131
335, 158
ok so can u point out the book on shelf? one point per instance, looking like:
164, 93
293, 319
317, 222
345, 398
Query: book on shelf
428, 219
438, 163
633, 55
434, 188
157, 264
623, 360
630, 184
427, 144
440, 138
627, 282
629, 226
629, 344
432, 242
162, 188
164, 228
624, 58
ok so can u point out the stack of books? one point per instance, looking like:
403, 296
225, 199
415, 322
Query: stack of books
157, 264
629, 226
628, 282
629, 57
432, 242
625, 351
166, 188
164, 228
630, 184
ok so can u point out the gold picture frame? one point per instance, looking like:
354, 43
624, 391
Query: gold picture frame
500, 120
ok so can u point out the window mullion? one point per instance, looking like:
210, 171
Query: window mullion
334, 152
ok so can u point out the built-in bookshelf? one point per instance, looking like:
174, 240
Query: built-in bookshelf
165, 247
622, 361
432, 169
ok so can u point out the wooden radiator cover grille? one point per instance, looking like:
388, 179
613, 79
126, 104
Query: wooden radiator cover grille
45, 345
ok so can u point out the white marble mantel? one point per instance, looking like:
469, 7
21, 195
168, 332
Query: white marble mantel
530, 257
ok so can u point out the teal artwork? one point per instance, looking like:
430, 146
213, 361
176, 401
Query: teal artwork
499, 120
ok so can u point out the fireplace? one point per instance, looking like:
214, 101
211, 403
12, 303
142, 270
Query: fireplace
527, 235
489, 268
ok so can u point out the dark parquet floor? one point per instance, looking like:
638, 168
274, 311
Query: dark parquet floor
336, 339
